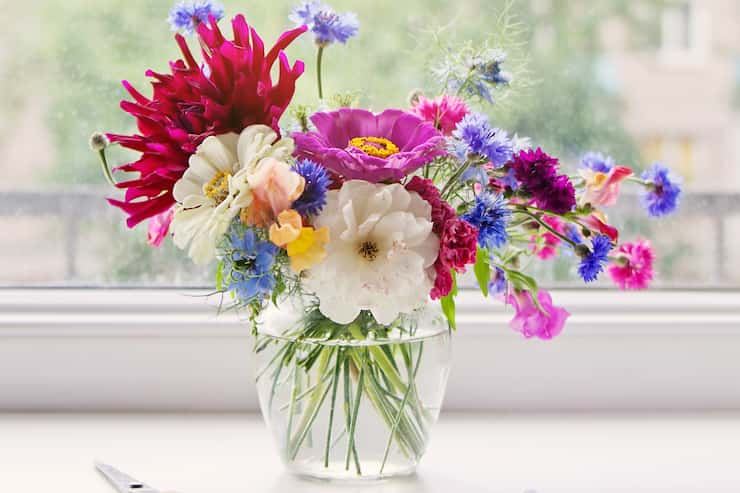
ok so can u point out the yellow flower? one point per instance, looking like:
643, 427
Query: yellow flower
287, 229
305, 245
308, 249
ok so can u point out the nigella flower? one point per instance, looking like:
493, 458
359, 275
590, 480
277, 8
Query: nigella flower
188, 14
250, 265
474, 135
663, 190
490, 215
598, 162
327, 26
593, 260
483, 74
313, 198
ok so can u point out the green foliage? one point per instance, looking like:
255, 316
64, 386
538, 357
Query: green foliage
448, 303
482, 269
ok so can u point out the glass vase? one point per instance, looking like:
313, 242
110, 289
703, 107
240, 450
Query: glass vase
358, 403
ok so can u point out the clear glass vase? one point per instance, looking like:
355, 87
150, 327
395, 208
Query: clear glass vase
358, 403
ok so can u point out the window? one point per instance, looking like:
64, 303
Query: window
62, 63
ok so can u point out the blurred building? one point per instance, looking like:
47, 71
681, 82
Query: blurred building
682, 96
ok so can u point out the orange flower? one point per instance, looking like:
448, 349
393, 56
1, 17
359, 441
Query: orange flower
274, 189
305, 245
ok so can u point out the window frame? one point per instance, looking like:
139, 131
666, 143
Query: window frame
169, 350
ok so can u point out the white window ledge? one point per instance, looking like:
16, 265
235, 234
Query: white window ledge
164, 350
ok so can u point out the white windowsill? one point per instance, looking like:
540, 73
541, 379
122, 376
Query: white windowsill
76, 349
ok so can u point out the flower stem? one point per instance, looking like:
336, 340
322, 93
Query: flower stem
455, 177
319, 58
353, 418
334, 385
547, 227
106, 168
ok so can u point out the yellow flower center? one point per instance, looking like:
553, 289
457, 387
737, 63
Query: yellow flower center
369, 250
375, 146
218, 188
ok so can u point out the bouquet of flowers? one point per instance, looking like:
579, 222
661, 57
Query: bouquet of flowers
343, 237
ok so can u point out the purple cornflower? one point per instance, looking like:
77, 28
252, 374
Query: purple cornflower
594, 260
663, 190
596, 161
537, 174
188, 14
475, 135
327, 26
313, 198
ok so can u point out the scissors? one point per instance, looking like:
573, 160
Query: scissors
122, 482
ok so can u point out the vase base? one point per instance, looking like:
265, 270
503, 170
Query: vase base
336, 472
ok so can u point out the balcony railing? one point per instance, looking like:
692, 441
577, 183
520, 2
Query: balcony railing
71, 206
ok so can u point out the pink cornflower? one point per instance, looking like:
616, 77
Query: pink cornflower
633, 267
445, 111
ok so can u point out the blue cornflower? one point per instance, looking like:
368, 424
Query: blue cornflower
477, 174
573, 233
598, 162
497, 284
313, 198
250, 265
327, 26
186, 15
490, 215
663, 190
474, 135
593, 260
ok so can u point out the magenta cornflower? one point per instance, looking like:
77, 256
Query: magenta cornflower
633, 266
537, 174
445, 111
359, 145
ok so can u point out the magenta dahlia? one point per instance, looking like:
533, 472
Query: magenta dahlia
537, 175
233, 91
357, 144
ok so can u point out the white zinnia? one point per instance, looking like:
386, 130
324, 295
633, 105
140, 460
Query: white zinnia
215, 188
380, 254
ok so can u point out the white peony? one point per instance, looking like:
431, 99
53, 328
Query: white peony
380, 254
215, 188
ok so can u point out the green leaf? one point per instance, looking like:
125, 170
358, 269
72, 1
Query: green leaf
482, 269
448, 303
220, 276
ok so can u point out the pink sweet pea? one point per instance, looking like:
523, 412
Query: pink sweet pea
159, 226
597, 222
633, 267
602, 189
532, 321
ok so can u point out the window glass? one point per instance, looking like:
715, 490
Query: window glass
593, 81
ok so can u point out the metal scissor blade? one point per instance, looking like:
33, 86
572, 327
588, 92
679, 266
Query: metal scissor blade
122, 481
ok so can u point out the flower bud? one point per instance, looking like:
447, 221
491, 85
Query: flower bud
98, 141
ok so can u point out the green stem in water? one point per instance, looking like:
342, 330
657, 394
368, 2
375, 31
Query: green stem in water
319, 58
334, 385
396, 421
353, 418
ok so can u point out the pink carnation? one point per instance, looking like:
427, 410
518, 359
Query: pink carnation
445, 111
532, 321
457, 238
633, 268
458, 244
551, 242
